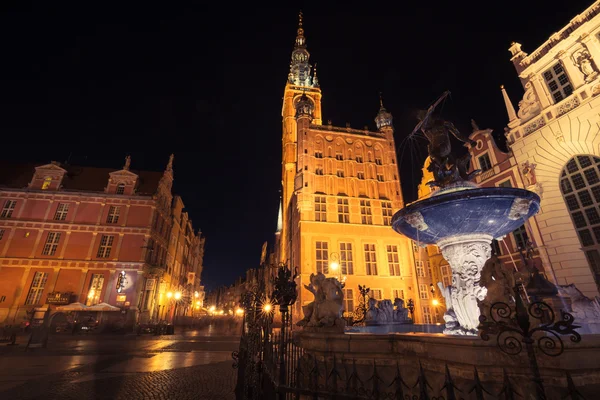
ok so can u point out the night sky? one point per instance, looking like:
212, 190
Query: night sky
92, 84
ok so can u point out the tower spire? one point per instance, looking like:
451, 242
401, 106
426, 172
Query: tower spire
384, 117
300, 68
512, 115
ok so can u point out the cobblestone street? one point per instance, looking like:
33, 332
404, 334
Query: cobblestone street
195, 365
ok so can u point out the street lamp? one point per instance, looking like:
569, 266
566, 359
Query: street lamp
335, 267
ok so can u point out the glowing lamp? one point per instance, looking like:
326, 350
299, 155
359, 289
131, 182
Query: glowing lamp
267, 307
435, 302
212, 308
239, 311
169, 294
177, 295
334, 265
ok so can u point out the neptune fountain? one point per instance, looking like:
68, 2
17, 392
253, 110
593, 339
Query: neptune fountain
461, 219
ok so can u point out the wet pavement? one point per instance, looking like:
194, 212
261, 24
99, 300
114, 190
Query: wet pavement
190, 365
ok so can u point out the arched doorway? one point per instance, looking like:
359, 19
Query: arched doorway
580, 187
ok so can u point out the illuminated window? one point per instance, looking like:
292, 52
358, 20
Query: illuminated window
348, 300
378, 161
558, 82
346, 259
120, 188
320, 209
365, 212
322, 257
484, 162
61, 212
427, 315
376, 294
319, 171
423, 292
420, 269
1, 233
429, 270
393, 260
360, 175
106, 243
359, 159
370, 259
51, 243
340, 173
415, 246
380, 177
520, 235
343, 211
113, 215
339, 156
7, 210
318, 154
37, 288
506, 183
446, 273
95, 290
397, 294
386, 210
47, 182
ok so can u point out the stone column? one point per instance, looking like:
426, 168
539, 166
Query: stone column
574, 74
466, 255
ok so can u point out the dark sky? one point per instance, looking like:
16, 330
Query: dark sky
204, 80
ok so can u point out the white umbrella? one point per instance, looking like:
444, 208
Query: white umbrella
102, 307
73, 307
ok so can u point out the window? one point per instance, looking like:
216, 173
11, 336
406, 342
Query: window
397, 294
380, 177
105, 246
376, 294
47, 182
120, 188
393, 260
346, 259
348, 300
506, 183
415, 246
386, 210
7, 210
427, 315
320, 209
340, 173
423, 291
1, 233
318, 154
61, 212
339, 156
378, 161
318, 171
51, 243
360, 175
496, 247
322, 257
370, 259
365, 212
558, 82
113, 215
446, 273
359, 159
484, 162
95, 290
580, 186
37, 288
343, 211
520, 235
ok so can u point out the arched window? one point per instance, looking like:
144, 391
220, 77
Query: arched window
120, 188
47, 182
580, 186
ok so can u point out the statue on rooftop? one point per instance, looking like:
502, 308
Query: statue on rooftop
447, 169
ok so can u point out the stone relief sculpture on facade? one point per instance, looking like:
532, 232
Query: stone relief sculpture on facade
530, 106
465, 293
326, 308
529, 178
385, 313
583, 60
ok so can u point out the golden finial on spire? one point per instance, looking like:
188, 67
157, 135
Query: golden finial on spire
380, 100
300, 19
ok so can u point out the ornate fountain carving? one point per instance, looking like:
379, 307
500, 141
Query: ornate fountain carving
326, 309
385, 313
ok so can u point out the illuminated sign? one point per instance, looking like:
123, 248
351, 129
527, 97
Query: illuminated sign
121, 281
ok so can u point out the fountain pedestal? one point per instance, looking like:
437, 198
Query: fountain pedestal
466, 255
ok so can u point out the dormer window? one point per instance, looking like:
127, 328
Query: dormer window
558, 82
47, 182
120, 188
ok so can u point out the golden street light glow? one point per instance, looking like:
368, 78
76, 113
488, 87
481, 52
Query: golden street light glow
196, 294
177, 295
169, 294
334, 265
239, 311
212, 308
221, 312
267, 307
198, 303
435, 302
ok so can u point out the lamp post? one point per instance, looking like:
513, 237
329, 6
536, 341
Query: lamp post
336, 268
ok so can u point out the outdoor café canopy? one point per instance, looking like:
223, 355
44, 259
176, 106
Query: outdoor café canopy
73, 307
102, 307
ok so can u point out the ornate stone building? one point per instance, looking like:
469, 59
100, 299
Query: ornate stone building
90, 235
341, 187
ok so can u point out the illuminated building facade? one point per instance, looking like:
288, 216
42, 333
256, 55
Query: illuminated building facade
90, 235
554, 150
340, 189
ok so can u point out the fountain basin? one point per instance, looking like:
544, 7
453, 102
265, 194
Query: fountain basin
488, 211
